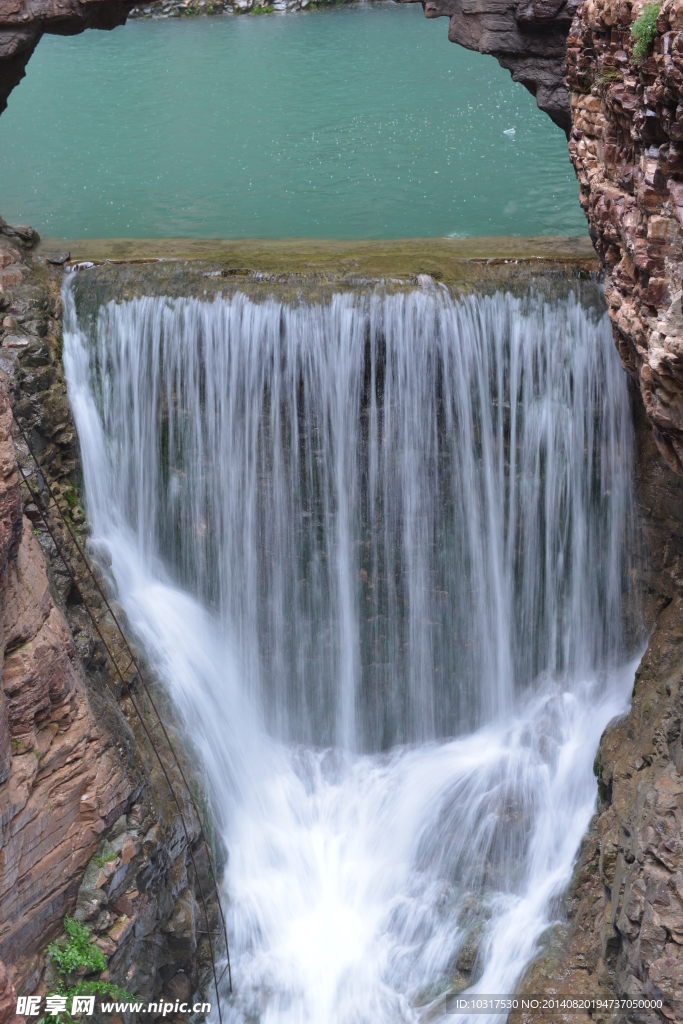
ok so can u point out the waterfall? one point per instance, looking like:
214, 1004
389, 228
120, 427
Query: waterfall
377, 548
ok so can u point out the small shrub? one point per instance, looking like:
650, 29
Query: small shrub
78, 952
83, 988
643, 32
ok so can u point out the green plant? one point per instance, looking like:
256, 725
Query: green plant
78, 952
597, 771
84, 988
70, 497
105, 859
643, 31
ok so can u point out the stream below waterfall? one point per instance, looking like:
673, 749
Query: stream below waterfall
377, 547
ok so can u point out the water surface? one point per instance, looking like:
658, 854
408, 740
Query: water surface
359, 122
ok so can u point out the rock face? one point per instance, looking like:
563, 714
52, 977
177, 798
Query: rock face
627, 148
87, 824
62, 782
184, 8
528, 38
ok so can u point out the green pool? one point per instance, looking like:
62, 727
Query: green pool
349, 122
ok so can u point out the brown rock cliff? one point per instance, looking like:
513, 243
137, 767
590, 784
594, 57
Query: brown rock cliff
65, 783
627, 148
87, 823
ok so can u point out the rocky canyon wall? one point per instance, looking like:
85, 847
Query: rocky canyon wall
627, 148
88, 826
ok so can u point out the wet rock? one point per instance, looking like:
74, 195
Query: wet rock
181, 927
25, 234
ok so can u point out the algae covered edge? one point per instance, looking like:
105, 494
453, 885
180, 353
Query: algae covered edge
451, 261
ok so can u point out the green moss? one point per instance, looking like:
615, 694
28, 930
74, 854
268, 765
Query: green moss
643, 32
635, 683
597, 771
70, 497
106, 859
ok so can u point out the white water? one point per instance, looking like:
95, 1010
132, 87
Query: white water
376, 549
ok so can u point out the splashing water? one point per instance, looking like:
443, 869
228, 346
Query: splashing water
377, 550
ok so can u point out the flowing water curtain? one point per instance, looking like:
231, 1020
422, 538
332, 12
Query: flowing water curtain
403, 508
435, 491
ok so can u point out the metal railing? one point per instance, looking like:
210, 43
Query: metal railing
88, 574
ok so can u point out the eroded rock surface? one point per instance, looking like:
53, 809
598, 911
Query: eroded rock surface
63, 778
627, 148
87, 823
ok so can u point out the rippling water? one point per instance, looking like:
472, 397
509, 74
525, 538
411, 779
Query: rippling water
353, 122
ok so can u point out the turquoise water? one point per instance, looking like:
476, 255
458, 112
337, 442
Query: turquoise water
352, 122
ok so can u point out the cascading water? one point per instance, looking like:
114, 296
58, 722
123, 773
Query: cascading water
377, 549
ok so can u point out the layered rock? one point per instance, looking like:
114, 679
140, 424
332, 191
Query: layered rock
63, 782
8, 999
627, 148
87, 823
